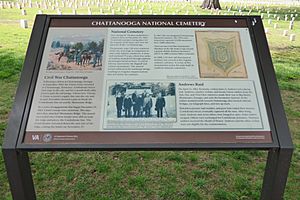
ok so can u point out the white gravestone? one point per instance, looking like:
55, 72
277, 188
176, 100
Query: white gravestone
270, 21
292, 37
59, 12
291, 26
24, 12
266, 30
89, 11
285, 33
23, 23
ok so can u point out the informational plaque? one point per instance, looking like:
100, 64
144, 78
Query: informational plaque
100, 82
148, 81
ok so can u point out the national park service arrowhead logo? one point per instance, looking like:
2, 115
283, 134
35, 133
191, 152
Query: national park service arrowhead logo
47, 137
223, 54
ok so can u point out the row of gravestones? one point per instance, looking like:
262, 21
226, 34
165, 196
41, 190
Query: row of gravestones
23, 4
286, 17
276, 25
24, 23
64, 3
162, 11
285, 33
74, 4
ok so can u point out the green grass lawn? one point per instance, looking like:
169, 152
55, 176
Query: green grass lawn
152, 175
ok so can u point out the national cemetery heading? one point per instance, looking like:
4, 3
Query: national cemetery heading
148, 23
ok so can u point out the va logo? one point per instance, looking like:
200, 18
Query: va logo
47, 137
35, 137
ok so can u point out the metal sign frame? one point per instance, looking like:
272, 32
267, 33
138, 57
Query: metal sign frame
16, 152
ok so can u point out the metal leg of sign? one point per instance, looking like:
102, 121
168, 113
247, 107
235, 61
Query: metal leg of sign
276, 173
19, 174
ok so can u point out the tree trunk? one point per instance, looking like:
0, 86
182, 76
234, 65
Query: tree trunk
211, 4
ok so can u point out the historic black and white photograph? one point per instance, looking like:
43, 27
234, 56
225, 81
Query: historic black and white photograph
141, 100
77, 51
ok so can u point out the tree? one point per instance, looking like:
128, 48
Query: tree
101, 45
53, 44
171, 89
92, 46
155, 88
211, 4
118, 88
57, 45
78, 46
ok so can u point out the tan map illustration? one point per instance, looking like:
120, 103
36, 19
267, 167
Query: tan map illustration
220, 54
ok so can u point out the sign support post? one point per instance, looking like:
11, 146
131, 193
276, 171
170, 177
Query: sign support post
276, 173
19, 174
